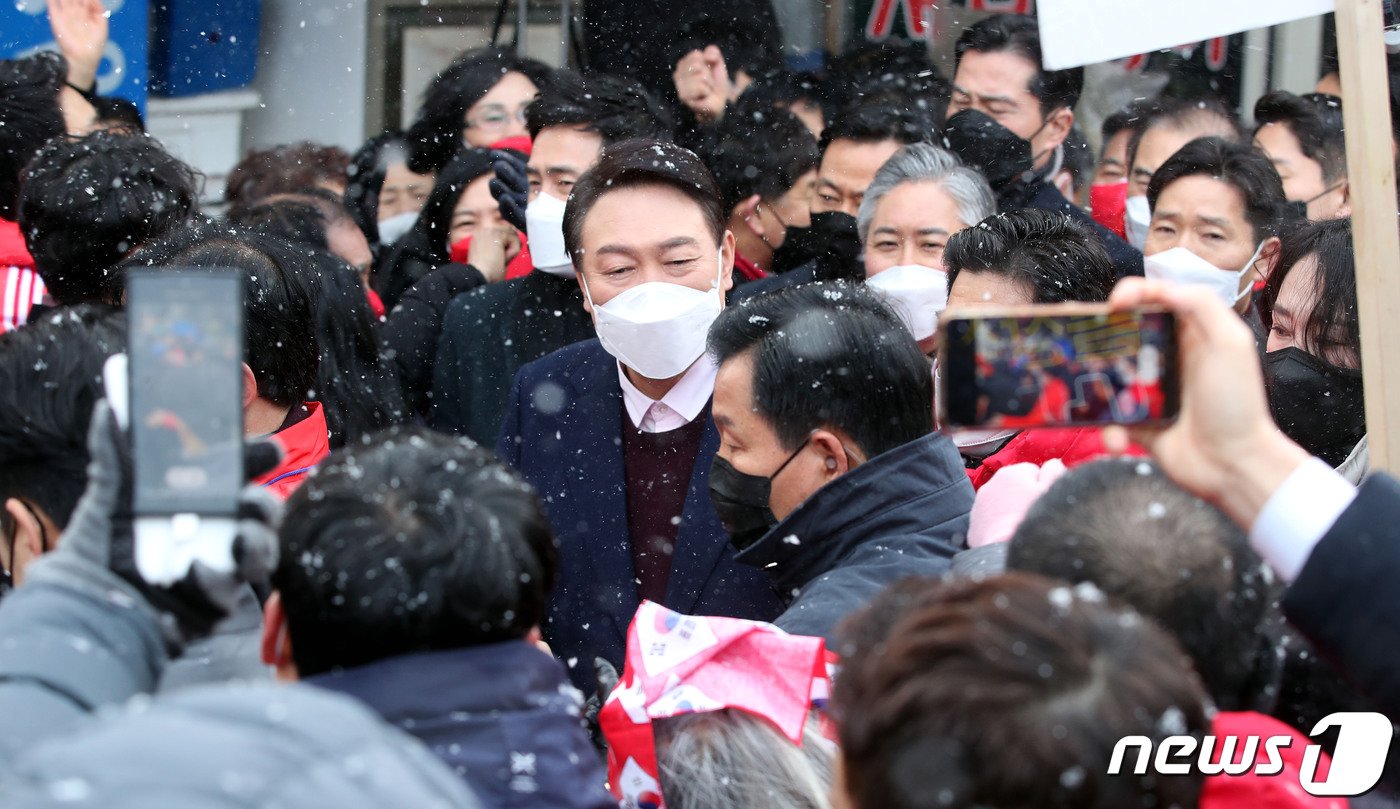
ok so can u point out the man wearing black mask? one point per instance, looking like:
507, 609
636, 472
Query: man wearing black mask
853, 149
1009, 118
834, 483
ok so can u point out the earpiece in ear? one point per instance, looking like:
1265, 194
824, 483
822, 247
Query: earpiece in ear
831, 464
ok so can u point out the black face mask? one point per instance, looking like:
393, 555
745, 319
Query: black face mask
741, 500
979, 141
1315, 403
1298, 209
832, 241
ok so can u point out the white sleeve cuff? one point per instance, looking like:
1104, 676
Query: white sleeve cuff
1298, 515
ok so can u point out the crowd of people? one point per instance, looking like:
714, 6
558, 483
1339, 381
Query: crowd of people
603, 462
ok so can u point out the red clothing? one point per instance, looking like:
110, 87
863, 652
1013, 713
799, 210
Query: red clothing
1248, 790
376, 303
304, 444
1073, 446
522, 265
747, 270
20, 286
1108, 203
520, 143
1052, 407
517, 267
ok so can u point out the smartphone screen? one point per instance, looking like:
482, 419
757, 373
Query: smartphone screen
185, 360
1058, 368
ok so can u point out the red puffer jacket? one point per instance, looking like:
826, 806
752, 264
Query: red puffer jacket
1073, 446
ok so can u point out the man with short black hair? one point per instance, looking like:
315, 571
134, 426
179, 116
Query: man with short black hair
765, 163
50, 378
1170, 125
1009, 691
1024, 257
426, 608
280, 354
829, 476
1119, 130
1009, 117
1303, 137
1165, 129
1108, 194
853, 148
1217, 206
999, 73
489, 332
615, 433
1122, 526
1014, 259
146, 193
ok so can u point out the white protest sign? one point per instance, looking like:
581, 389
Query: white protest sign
1083, 32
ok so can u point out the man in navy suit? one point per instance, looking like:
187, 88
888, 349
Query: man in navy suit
615, 433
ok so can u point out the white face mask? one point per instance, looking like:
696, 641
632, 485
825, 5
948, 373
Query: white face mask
1181, 266
1136, 221
393, 228
658, 329
544, 226
917, 293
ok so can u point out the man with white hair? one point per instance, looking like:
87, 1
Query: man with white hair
920, 197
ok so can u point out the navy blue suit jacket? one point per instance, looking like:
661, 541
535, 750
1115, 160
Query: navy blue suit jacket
563, 434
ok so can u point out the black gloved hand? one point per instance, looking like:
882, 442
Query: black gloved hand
606, 677
99, 542
510, 187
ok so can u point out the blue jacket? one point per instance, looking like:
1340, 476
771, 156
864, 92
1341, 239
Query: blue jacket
563, 433
902, 513
502, 716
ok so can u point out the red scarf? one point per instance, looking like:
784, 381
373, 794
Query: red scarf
748, 270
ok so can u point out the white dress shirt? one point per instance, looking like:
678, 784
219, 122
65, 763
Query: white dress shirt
678, 407
1298, 515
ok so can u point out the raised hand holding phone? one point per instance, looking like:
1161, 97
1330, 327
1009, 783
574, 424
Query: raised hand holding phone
186, 418
1224, 447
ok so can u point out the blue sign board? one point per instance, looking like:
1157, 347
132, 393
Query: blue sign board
24, 29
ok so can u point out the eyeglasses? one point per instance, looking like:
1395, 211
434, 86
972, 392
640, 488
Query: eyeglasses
495, 117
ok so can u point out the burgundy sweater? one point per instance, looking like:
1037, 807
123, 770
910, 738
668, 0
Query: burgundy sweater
657, 469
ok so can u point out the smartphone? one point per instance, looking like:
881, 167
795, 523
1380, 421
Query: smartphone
1056, 365
185, 414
